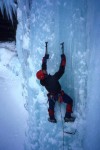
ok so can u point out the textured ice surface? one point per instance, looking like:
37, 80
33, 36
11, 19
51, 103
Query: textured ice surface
77, 24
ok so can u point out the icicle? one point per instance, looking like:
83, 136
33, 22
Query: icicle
9, 6
2, 7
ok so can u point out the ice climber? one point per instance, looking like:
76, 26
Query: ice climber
55, 93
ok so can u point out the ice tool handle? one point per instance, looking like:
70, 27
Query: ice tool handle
62, 47
46, 48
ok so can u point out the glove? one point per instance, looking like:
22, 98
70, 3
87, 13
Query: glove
44, 60
46, 56
63, 56
63, 60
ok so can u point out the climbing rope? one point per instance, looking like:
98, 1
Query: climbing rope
67, 132
62, 124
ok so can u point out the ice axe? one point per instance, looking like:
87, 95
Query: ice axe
46, 50
62, 47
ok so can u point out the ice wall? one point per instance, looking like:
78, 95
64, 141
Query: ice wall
55, 22
92, 139
77, 24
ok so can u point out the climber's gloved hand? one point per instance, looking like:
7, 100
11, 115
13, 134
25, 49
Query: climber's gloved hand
63, 60
44, 60
46, 56
63, 56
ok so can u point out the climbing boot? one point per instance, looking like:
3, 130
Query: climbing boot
71, 119
53, 120
68, 117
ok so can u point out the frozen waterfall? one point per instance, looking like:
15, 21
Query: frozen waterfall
77, 24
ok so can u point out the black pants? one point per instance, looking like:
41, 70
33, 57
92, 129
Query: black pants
65, 98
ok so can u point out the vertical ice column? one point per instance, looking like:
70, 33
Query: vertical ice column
52, 21
36, 25
92, 138
72, 29
73, 19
